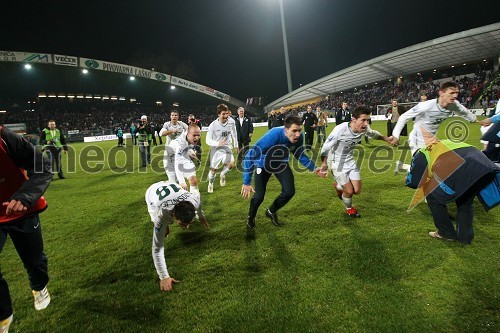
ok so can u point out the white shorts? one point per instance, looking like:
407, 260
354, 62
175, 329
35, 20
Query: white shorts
345, 173
187, 168
220, 155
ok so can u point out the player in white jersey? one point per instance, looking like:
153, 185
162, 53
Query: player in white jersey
179, 156
167, 203
337, 153
221, 138
173, 128
428, 116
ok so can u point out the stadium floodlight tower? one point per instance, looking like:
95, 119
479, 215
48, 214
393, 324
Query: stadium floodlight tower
285, 47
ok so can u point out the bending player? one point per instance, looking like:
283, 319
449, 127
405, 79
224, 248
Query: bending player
167, 203
179, 156
337, 152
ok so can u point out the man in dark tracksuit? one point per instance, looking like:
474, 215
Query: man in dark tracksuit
22, 201
454, 172
310, 121
269, 156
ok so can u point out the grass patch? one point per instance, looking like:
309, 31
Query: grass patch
322, 272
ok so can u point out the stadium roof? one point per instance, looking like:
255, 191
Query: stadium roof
466, 46
17, 83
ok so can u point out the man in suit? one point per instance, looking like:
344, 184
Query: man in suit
343, 114
244, 130
393, 113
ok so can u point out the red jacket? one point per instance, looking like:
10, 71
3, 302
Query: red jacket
16, 156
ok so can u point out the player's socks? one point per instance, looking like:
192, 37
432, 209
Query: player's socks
211, 177
224, 171
194, 189
171, 177
347, 202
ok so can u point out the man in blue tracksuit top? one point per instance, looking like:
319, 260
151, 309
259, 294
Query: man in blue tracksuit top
269, 156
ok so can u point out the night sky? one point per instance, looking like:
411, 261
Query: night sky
236, 46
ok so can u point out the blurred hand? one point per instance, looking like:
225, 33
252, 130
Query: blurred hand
167, 284
320, 172
485, 122
14, 206
246, 191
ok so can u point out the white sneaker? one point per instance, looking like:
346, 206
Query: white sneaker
5, 324
210, 188
400, 167
42, 298
222, 180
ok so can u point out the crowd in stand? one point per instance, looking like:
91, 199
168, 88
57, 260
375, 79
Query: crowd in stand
83, 115
471, 78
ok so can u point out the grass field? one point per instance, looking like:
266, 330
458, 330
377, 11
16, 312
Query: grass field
321, 272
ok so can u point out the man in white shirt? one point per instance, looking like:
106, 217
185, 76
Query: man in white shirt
173, 128
167, 203
428, 116
221, 138
337, 153
179, 159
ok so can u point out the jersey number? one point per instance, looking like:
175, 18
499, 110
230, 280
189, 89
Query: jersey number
164, 191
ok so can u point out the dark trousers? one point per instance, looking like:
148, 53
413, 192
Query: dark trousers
26, 235
243, 148
145, 152
54, 154
309, 136
321, 131
286, 179
465, 215
492, 152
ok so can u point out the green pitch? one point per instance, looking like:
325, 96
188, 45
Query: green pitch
321, 272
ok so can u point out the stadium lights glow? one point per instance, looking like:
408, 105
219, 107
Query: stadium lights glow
114, 98
71, 96
52, 96
3, 111
132, 78
132, 100
105, 97
465, 64
97, 97
61, 96
42, 95
159, 103
88, 96
175, 105
79, 96
172, 87
27, 66
122, 98
85, 71
452, 66
484, 59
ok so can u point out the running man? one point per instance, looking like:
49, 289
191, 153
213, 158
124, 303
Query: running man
338, 154
428, 116
221, 138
